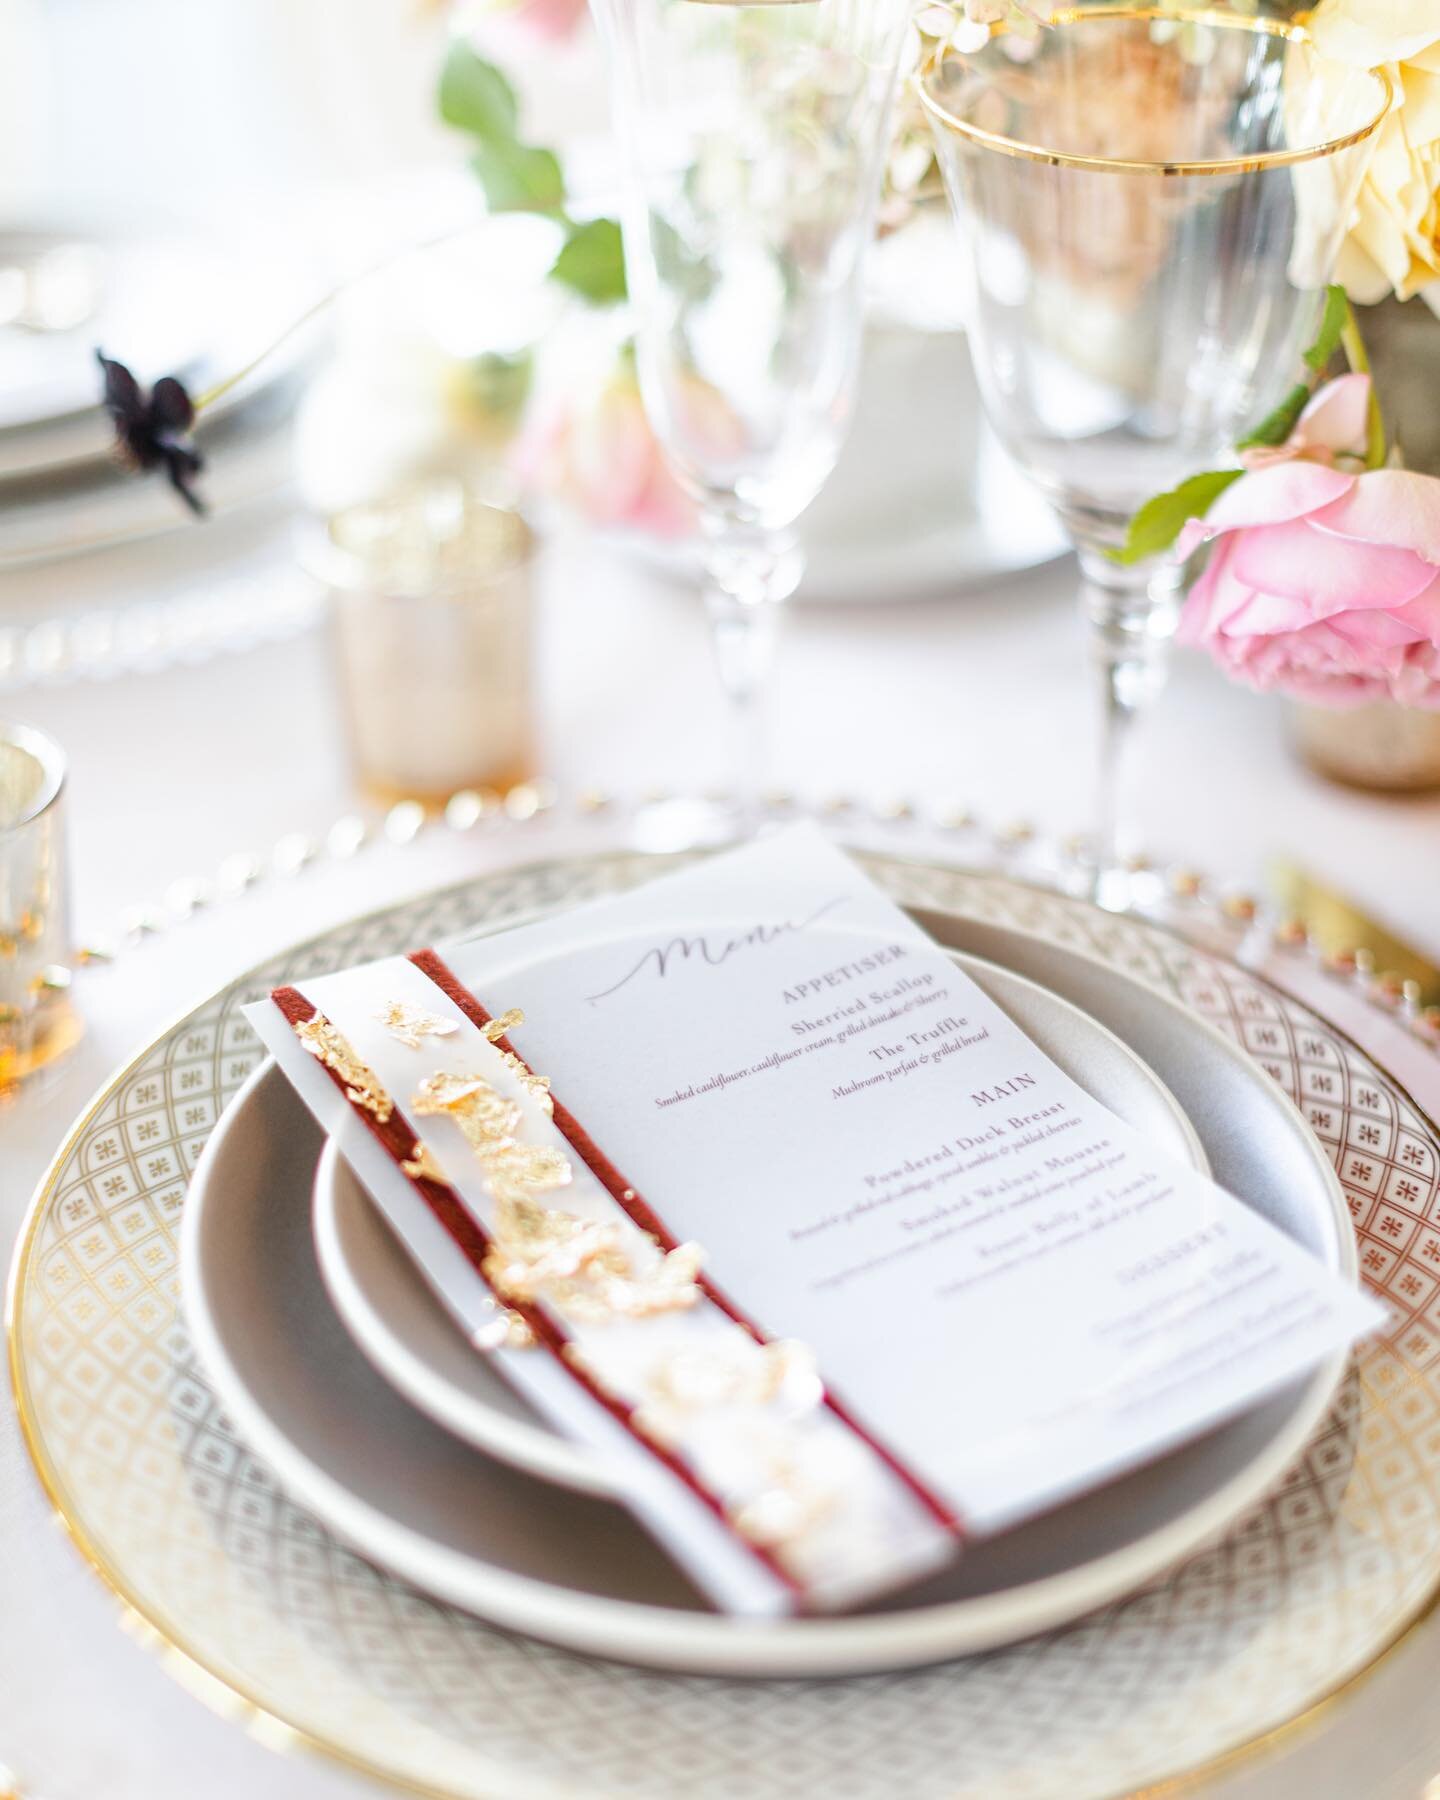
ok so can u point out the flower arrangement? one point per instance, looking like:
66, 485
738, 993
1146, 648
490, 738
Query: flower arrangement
590, 445
593, 447
1323, 579
580, 442
1394, 240
572, 445
153, 428
476, 98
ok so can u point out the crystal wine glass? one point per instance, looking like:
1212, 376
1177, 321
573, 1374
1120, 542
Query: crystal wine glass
755, 139
1153, 201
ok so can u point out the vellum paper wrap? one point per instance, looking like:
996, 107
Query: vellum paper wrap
805, 1513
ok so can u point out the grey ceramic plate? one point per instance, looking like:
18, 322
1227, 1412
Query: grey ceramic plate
393, 1316
575, 1570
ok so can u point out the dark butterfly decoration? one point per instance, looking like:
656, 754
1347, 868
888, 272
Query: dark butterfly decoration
151, 430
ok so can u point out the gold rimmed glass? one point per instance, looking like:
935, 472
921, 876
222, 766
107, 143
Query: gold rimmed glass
755, 138
38, 1022
1153, 200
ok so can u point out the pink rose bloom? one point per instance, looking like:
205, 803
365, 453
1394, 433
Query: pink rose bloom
596, 451
541, 21
1325, 578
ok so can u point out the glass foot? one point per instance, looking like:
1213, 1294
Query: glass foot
692, 822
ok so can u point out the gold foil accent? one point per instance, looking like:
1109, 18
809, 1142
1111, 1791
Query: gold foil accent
507, 1022
785, 1509
690, 1381
587, 1273
408, 1024
766, 1389
508, 1331
422, 1166
537, 1086
362, 1087
514, 1170
583, 1267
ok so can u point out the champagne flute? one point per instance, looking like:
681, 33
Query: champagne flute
1153, 201
755, 139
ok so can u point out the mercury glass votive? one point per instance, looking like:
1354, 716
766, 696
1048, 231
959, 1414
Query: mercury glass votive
38, 1021
1383, 747
432, 597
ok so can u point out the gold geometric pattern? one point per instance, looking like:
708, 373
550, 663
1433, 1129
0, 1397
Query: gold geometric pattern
235, 1581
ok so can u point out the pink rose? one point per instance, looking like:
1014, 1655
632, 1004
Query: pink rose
540, 21
595, 450
1332, 429
1325, 580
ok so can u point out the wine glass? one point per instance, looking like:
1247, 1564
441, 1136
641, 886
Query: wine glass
755, 139
1153, 201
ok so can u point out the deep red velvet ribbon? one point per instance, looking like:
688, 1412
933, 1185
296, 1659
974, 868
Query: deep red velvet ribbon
629, 1200
470, 1237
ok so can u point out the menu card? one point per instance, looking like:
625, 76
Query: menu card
810, 1240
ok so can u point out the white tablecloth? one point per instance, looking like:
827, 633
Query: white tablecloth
980, 699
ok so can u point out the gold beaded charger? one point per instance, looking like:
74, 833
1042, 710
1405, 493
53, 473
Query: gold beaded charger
249, 1598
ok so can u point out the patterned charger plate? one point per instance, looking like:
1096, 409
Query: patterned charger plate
250, 1597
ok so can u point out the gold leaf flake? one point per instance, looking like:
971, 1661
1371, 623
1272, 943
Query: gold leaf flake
362, 1087
422, 1166
791, 1501
693, 1378
585, 1268
506, 1023
408, 1024
489, 1123
591, 1277
507, 1331
736, 1372
537, 1086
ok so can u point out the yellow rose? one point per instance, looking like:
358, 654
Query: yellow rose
1394, 237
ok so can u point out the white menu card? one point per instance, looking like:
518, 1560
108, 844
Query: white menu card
1004, 1295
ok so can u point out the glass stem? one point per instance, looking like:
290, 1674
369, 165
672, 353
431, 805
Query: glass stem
1132, 612
749, 571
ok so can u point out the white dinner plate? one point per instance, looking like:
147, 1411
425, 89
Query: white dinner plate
401, 1326
982, 527
935, 546
578, 1571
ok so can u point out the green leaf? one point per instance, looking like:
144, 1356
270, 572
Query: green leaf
476, 97
1277, 426
517, 178
1159, 521
1332, 325
591, 262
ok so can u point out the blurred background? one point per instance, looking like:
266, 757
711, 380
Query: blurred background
355, 623
230, 107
